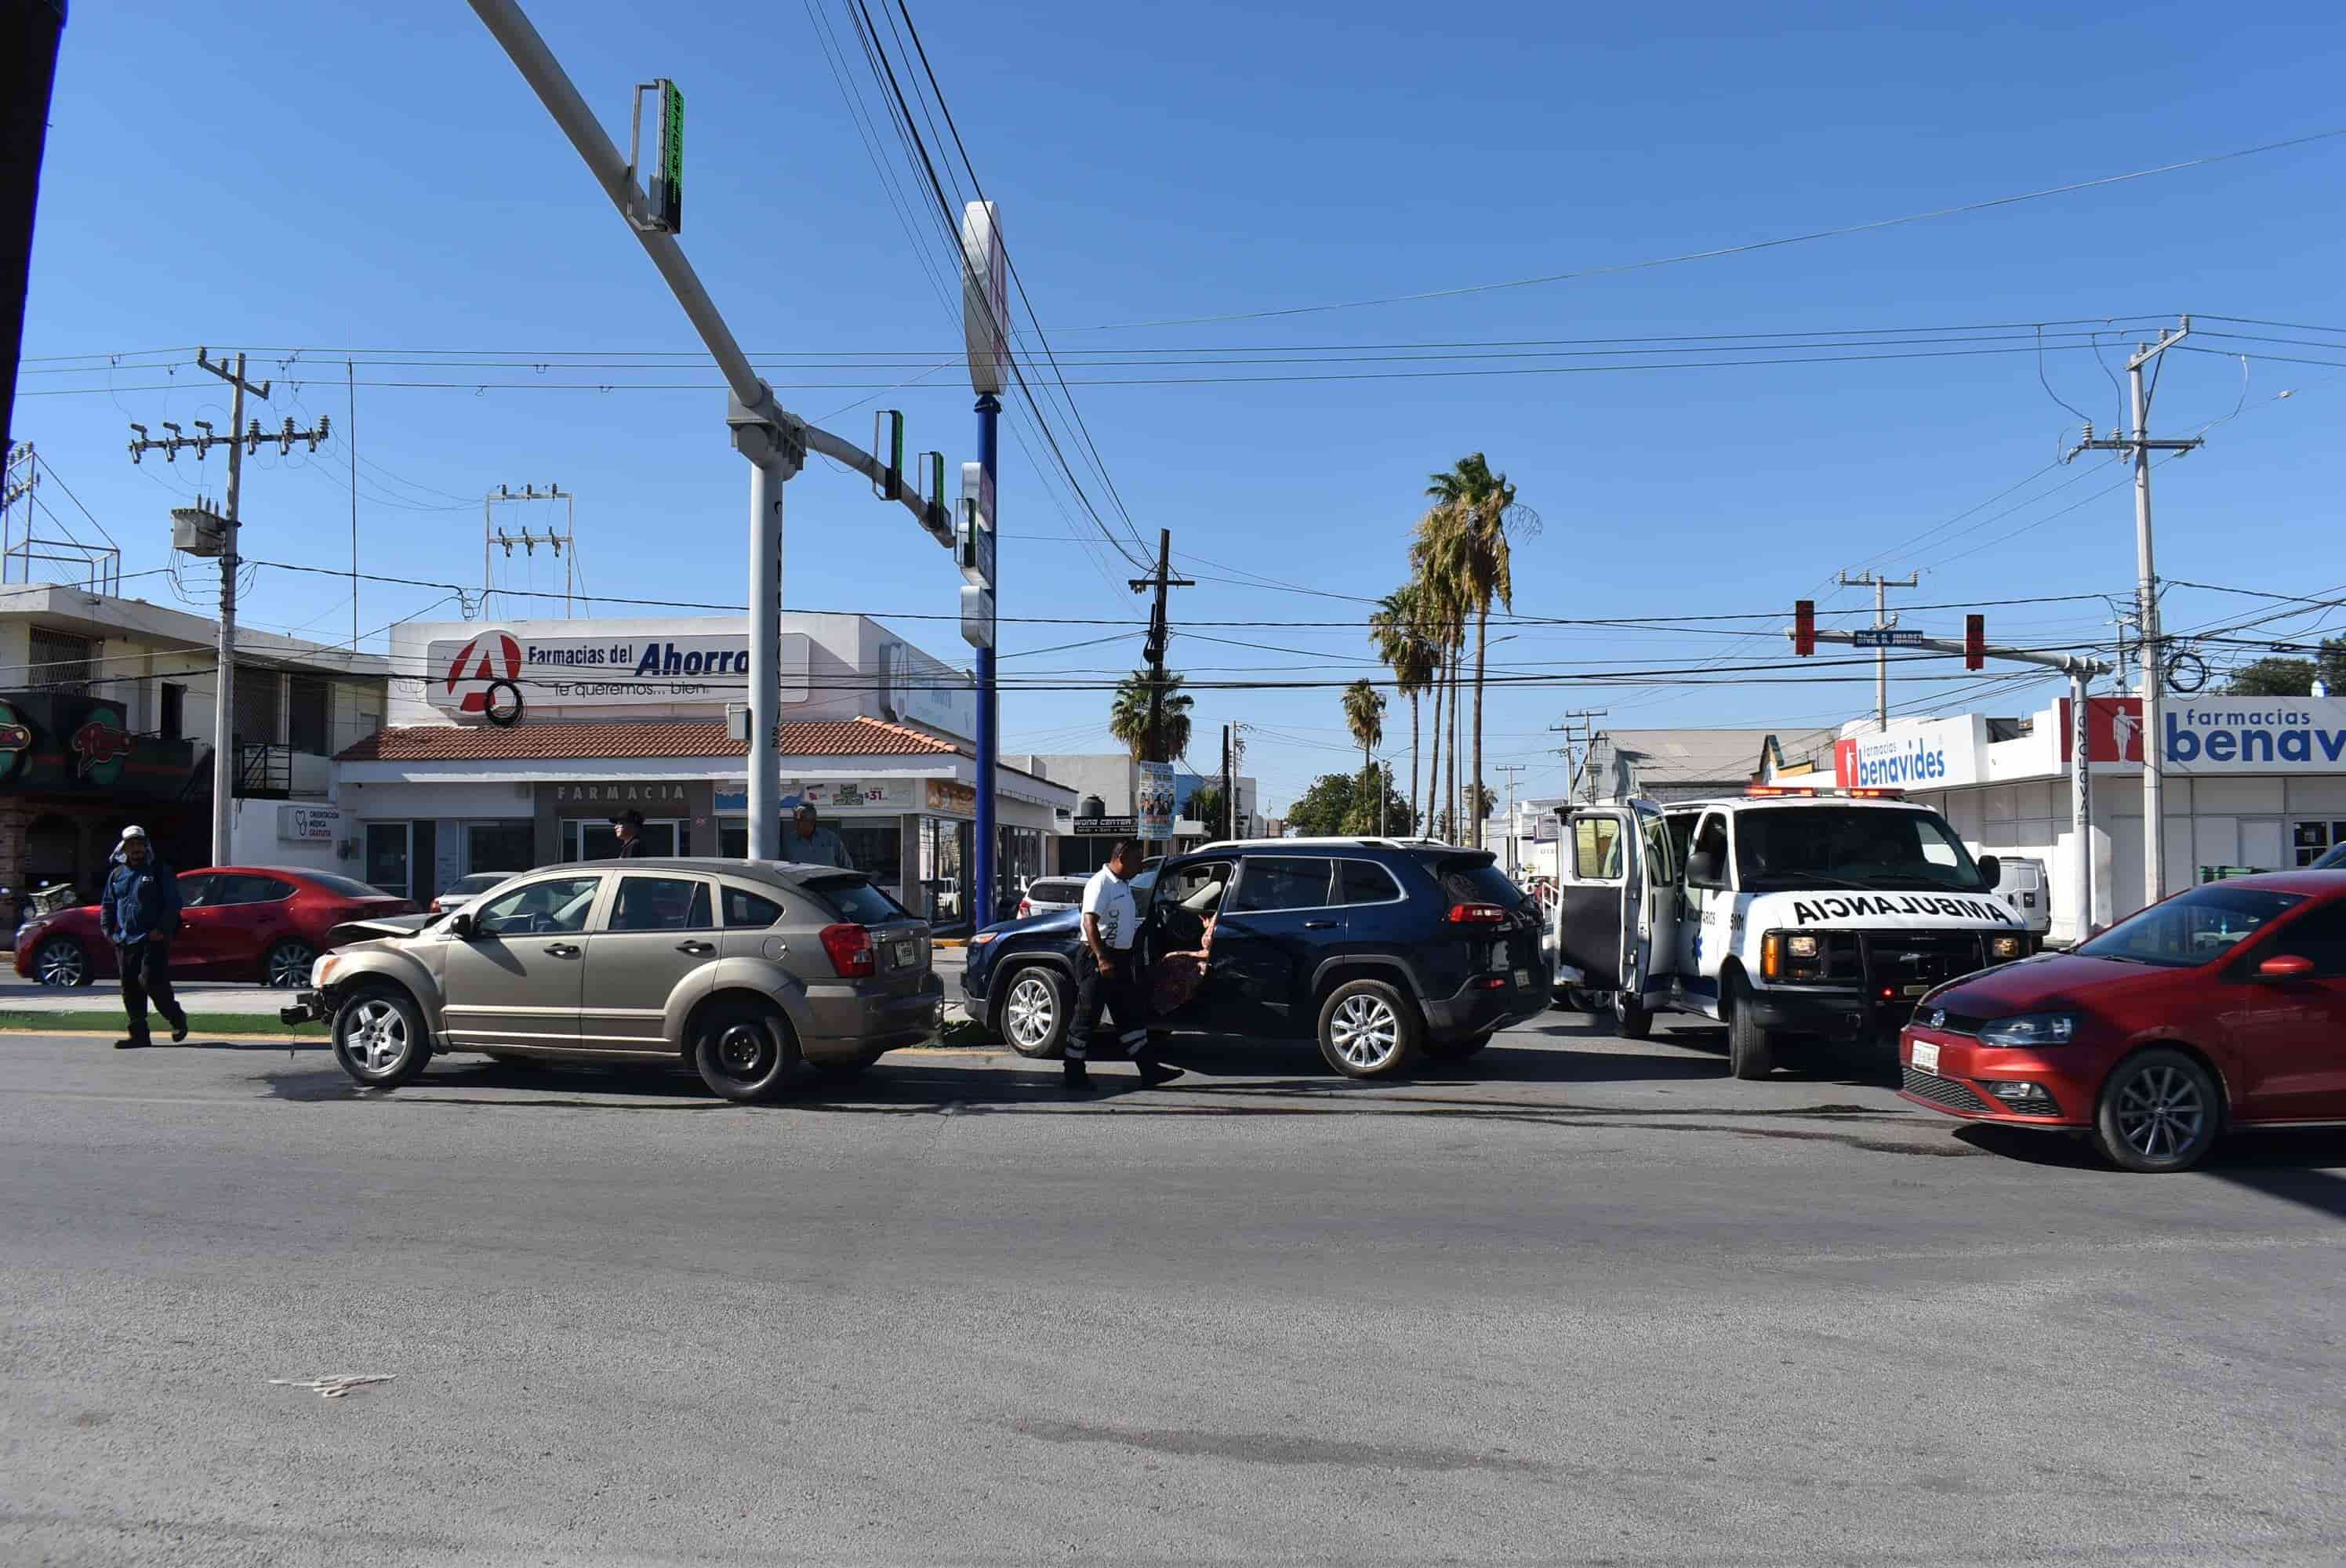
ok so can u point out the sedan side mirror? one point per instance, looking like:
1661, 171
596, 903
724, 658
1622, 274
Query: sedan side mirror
2285, 966
1991, 871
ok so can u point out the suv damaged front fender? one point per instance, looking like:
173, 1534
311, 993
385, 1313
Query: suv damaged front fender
412, 966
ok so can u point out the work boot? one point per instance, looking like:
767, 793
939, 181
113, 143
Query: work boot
1075, 1080
136, 1044
1154, 1072
179, 1030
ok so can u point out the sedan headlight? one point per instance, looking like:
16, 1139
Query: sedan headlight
2028, 1029
2004, 949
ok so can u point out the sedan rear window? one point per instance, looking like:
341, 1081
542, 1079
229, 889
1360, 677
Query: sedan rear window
858, 900
345, 886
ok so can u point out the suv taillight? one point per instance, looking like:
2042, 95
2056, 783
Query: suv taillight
1477, 914
1025, 908
850, 950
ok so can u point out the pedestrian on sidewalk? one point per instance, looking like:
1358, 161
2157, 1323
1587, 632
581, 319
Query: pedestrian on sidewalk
630, 827
811, 844
1107, 973
139, 915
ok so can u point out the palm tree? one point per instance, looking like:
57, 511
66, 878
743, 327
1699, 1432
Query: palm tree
1405, 643
1476, 511
1129, 720
1364, 716
1440, 584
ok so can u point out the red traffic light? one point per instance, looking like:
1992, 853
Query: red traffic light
1804, 628
1975, 642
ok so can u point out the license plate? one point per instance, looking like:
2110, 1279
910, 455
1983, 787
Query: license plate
1523, 979
1926, 1057
907, 953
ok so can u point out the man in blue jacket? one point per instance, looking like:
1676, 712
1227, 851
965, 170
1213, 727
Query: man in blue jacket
139, 915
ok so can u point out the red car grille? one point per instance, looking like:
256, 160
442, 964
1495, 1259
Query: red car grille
1942, 1092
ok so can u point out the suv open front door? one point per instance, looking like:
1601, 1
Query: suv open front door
1600, 899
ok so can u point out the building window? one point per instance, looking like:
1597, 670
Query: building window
595, 838
500, 846
61, 661
309, 709
873, 846
171, 715
2316, 838
401, 858
254, 720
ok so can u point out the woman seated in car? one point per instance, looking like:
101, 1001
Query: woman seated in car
1176, 977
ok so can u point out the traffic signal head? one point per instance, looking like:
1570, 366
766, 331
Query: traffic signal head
1975, 642
1804, 628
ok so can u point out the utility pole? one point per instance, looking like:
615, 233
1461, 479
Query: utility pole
1579, 732
564, 544
240, 439
1230, 802
1513, 857
772, 439
2139, 447
1160, 580
1882, 621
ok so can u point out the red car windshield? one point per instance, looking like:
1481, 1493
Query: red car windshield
2192, 929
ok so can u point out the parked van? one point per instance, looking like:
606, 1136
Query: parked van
1783, 911
2027, 889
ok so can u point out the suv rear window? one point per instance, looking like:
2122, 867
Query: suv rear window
1056, 892
1476, 879
858, 900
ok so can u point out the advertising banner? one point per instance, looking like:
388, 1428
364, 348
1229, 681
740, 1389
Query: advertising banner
1157, 798
2222, 734
1932, 755
603, 672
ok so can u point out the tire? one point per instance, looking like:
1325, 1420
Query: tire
286, 966
61, 961
1368, 1030
744, 1051
1750, 1050
2158, 1111
1036, 1008
1632, 1020
380, 1038
1457, 1050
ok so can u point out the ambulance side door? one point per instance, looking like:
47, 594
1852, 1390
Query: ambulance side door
1663, 899
1704, 921
1600, 898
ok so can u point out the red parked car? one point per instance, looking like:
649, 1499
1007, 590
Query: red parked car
264, 923
2220, 1007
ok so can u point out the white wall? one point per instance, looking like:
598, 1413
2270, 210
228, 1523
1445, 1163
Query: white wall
254, 841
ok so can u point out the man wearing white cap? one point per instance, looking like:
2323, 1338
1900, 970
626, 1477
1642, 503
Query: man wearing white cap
139, 915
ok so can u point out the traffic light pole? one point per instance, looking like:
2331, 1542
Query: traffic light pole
773, 440
2081, 782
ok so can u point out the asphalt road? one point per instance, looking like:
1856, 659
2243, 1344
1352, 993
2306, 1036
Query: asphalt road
1594, 1303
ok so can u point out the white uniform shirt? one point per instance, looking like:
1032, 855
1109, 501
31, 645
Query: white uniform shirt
1109, 897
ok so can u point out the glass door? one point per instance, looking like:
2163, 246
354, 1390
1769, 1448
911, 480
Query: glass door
389, 858
593, 839
500, 846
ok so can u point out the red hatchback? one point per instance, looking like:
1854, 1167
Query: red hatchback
238, 922
2220, 1007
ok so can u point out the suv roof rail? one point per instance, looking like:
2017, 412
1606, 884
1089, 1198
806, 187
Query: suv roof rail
1337, 840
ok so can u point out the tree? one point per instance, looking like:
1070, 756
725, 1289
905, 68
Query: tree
1464, 542
1207, 809
1336, 802
2277, 677
1364, 716
1400, 630
1129, 720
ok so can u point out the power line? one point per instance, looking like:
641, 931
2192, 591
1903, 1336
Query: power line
1716, 251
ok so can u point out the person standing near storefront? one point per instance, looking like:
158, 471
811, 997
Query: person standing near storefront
139, 914
809, 843
1107, 971
630, 826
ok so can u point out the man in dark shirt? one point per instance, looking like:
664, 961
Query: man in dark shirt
630, 826
139, 915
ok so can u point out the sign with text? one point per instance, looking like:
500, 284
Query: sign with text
1158, 800
309, 824
1934, 755
603, 672
1884, 638
2220, 734
1107, 828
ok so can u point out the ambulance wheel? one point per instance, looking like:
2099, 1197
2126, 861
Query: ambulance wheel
1633, 1020
1751, 1051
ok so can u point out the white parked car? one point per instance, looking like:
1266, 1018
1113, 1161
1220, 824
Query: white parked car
464, 889
1044, 894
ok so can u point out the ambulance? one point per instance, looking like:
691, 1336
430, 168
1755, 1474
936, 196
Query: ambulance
1783, 913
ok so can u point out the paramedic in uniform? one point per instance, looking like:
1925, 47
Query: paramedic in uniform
1107, 971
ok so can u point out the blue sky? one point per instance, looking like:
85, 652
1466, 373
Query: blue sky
340, 178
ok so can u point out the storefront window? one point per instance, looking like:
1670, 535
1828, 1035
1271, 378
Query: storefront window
500, 846
2316, 838
590, 839
400, 858
874, 845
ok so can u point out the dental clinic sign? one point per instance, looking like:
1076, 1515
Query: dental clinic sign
1928, 756
658, 666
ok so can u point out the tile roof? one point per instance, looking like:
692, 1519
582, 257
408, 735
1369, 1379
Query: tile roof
666, 738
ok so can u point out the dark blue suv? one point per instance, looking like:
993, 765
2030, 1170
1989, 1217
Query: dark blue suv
1381, 949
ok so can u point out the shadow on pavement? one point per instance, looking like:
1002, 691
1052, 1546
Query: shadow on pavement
2297, 1165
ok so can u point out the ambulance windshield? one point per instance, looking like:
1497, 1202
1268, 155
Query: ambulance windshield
1863, 847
